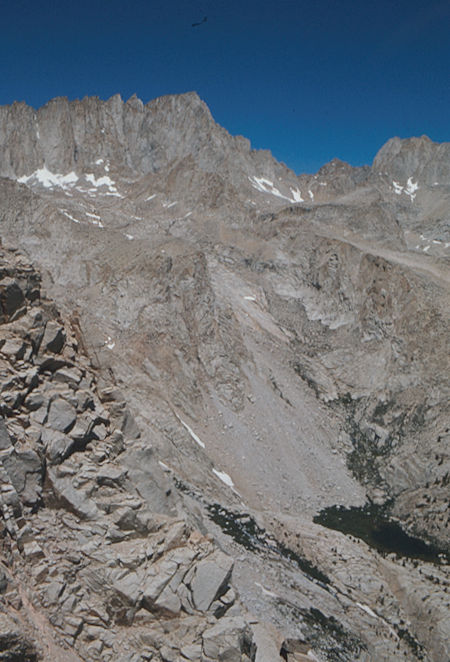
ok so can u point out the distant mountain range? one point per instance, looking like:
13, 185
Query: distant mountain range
225, 419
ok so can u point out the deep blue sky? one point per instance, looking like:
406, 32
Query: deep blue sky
307, 79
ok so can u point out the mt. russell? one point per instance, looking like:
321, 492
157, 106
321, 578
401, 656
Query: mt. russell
224, 430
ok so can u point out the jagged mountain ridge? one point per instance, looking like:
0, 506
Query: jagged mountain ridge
70, 136
240, 309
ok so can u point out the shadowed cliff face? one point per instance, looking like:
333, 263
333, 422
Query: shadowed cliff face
281, 341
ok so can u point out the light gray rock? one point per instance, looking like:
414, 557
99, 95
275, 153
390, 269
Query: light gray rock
11, 298
130, 587
111, 475
154, 584
13, 348
74, 499
40, 415
15, 644
186, 599
54, 337
32, 550
58, 446
5, 440
168, 601
211, 579
192, 652
35, 401
82, 431
227, 640
70, 376
267, 642
24, 468
61, 415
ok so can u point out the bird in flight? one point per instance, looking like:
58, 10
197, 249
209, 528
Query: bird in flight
194, 25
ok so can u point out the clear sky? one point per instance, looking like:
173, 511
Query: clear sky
308, 79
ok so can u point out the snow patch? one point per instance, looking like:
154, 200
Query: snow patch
311, 194
266, 186
49, 179
250, 298
191, 432
409, 189
225, 478
95, 219
110, 344
296, 194
130, 237
105, 180
367, 610
150, 197
99, 162
266, 591
69, 216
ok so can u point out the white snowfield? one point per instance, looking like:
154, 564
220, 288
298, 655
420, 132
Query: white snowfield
266, 186
191, 432
225, 478
49, 179
69, 216
95, 219
105, 180
367, 609
408, 189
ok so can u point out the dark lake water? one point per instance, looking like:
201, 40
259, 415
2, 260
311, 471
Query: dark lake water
372, 524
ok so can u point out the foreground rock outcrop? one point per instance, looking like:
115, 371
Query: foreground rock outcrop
88, 569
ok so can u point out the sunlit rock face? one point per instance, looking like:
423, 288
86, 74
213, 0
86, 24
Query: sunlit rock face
224, 428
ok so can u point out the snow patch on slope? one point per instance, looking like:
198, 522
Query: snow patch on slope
69, 216
225, 478
266, 186
408, 189
191, 432
49, 179
105, 180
